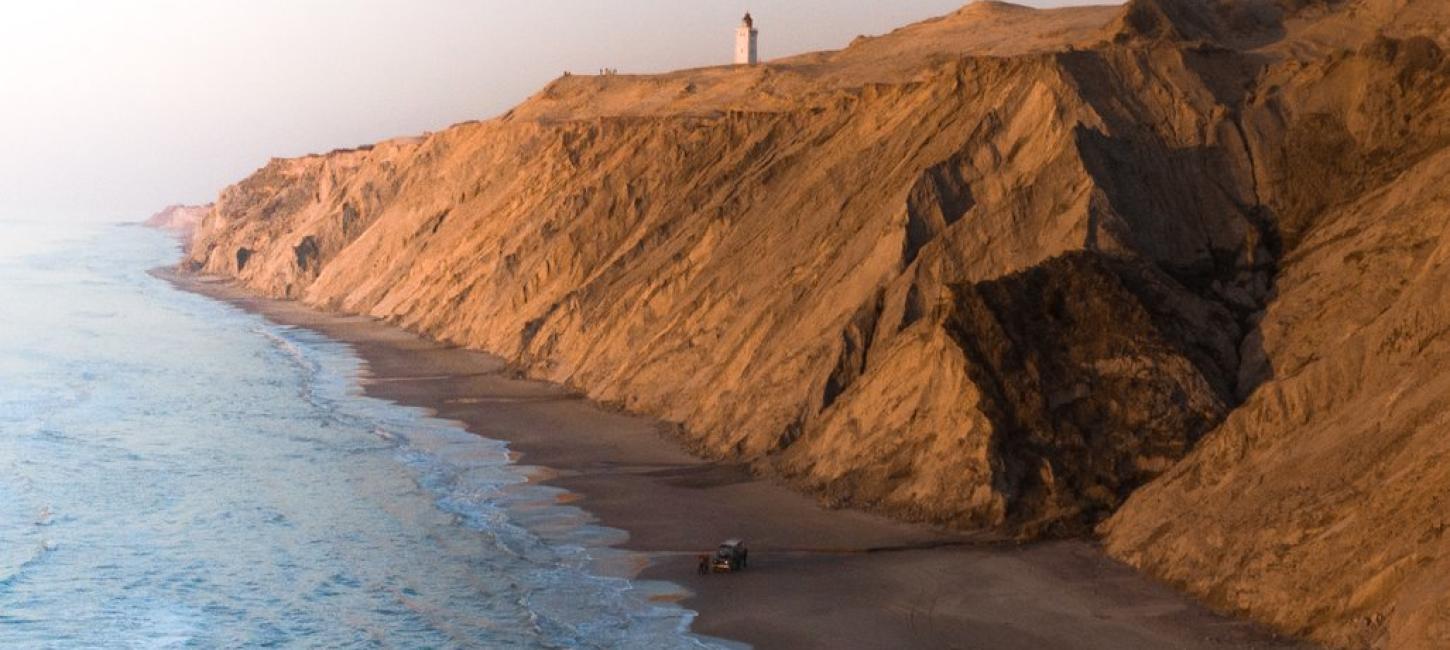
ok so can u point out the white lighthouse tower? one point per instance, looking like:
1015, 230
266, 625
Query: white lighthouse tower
745, 37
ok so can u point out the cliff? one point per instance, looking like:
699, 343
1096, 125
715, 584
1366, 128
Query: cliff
181, 219
998, 270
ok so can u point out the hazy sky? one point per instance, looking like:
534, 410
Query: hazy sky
111, 109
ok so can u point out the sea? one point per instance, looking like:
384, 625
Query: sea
177, 472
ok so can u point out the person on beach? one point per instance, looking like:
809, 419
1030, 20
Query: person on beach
704, 567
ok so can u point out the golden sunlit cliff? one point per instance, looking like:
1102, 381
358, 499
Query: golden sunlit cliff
1171, 273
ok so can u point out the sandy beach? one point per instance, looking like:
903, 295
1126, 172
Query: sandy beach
819, 578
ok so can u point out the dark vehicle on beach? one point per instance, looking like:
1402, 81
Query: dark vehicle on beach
731, 556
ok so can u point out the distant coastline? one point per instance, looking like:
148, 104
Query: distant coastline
179, 219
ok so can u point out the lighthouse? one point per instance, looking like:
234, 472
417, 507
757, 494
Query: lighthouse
745, 38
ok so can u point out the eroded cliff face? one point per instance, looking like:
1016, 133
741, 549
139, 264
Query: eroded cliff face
972, 279
1321, 504
739, 273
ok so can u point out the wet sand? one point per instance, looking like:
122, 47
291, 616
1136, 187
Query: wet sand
819, 578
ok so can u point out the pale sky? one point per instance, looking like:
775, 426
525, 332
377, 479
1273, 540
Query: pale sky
112, 109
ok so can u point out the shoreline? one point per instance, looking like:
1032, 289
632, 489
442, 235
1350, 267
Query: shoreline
819, 578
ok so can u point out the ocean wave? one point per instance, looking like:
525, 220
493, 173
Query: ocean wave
220, 481
40, 552
475, 479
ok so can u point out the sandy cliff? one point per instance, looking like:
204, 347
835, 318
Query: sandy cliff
996, 270
1320, 505
181, 219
